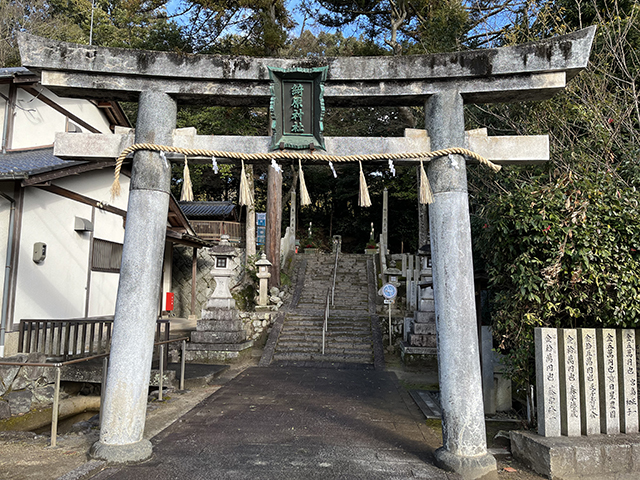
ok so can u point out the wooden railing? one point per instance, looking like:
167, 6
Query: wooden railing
211, 230
74, 338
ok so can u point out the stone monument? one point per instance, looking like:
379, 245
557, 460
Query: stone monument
220, 334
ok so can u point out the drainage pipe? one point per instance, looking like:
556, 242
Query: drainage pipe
5, 126
7, 274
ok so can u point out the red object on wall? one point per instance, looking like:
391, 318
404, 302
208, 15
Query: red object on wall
169, 302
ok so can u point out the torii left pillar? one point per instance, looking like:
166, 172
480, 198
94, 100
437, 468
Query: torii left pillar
134, 325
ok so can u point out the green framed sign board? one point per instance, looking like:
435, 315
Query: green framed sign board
297, 107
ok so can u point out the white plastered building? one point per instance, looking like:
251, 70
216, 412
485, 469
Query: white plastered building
61, 233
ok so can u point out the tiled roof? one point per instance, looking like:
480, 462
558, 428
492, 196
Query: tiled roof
207, 209
24, 163
14, 72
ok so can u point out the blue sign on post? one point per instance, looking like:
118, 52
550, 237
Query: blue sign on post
261, 228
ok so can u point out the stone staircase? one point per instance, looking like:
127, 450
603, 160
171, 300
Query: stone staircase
348, 338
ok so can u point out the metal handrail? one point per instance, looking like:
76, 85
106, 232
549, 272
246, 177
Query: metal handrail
330, 296
59, 365
326, 319
335, 272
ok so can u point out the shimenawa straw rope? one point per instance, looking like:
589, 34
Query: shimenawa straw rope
283, 155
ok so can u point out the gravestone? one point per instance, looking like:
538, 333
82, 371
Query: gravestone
548, 382
589, 391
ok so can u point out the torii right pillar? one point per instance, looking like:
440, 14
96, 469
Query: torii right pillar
464, 447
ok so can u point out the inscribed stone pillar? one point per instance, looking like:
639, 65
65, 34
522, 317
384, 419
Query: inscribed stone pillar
463, 429
547, 381
628, 380
589, 393
608, 369
292, 212
134, 326
274, 221
385, 218
488, 380
569, 382
250, 227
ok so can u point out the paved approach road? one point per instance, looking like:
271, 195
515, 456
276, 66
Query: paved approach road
295, 423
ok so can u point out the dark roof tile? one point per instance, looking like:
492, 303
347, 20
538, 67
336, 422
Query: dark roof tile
207, 209
24, 163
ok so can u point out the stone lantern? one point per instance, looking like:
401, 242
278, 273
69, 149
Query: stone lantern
224, 254
263, 274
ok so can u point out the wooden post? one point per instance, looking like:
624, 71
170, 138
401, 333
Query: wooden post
423, 218
274, 221
194, 274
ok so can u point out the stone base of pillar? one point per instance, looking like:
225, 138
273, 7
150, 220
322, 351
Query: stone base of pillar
481, 467
128, 453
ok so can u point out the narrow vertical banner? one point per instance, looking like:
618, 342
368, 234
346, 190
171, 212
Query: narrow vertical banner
589, 390
628, 380
548, 382
569, 382
608, 371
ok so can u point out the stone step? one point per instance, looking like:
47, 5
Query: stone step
337, 338
294, 345
334, 329
318, 357
218, 337
333, 322
329, 347
219, 325
343, 341
336, 332
349, 337
306, 320
362, 308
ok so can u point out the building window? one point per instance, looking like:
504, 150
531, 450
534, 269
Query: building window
107, 256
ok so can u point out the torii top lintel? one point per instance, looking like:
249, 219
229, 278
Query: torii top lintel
532, 71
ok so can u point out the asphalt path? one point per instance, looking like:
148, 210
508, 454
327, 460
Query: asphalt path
295, 423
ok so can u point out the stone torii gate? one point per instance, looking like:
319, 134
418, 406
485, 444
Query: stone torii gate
443, 83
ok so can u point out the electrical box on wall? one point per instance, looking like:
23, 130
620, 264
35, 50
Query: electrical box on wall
39, 252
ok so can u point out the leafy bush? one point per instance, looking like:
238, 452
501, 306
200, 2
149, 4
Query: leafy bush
560, 252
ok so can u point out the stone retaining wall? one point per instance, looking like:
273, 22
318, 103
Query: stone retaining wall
257, 323
27, 387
